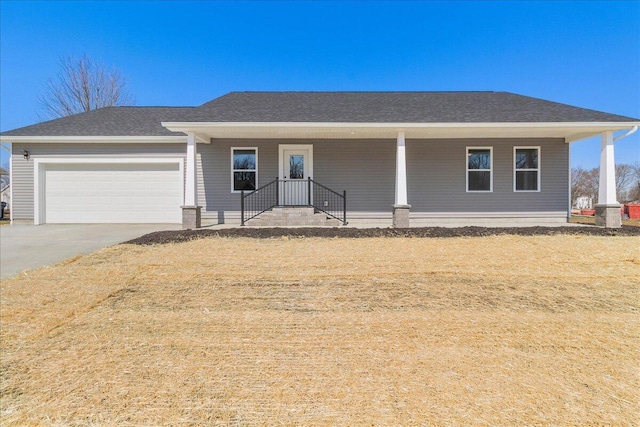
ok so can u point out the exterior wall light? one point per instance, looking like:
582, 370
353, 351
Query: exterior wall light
26, 154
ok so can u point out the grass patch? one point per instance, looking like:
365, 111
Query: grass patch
499, 330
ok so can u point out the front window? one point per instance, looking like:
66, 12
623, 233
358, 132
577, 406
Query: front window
480, 169
244, 169
526, 168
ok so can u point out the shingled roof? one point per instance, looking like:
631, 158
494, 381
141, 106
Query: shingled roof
109, 121
392, 107
327, 107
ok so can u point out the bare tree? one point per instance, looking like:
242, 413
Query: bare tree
634, 192
624, 180
4, 175
83, 85
4, 168
584, 183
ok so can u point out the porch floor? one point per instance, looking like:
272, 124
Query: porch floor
362, 223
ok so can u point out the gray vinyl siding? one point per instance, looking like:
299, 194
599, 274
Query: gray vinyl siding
23, 185
216, 172
365, 169
436, 171
436, 177
436, 174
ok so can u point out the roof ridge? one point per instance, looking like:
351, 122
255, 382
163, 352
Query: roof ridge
365, 91
144, 106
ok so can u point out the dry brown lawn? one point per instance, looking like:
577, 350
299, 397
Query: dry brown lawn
591, 221
501, 330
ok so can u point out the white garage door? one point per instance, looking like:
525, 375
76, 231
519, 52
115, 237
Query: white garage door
113, 193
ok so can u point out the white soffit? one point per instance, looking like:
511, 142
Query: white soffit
568, 131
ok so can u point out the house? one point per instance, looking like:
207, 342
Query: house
583, 202
395, 158
5, 195
5, 192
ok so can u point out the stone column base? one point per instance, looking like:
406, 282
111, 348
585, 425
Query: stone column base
191, 217
608, 216
401, 216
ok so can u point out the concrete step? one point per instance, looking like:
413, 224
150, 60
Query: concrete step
293, 217
304, 210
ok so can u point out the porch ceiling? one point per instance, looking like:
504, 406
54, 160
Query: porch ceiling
568, 131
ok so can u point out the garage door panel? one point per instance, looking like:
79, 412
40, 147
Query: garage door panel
113, 193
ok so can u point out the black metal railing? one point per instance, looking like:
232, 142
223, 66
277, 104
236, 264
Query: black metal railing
328, 201
253, 203
293, 192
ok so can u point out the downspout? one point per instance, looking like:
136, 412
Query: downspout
569, 185
618, 138
631, 131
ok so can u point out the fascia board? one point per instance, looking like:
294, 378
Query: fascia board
186, 126
94, 139
570, 131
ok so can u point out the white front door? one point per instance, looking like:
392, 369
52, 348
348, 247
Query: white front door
296, 167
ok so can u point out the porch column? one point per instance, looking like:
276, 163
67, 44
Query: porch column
607, 208
401, 207
190, 210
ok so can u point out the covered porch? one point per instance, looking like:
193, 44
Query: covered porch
387, 157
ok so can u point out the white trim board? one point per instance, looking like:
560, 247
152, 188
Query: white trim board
569, 131
233, 169
488, 215
490, 170
538, 170
195, 125
283, 147
94, 139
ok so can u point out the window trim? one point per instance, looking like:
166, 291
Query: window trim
538, 169
490, 170
246, 170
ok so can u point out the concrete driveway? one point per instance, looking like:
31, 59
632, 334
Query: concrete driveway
25, 247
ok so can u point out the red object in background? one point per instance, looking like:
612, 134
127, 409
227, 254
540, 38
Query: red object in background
633, 210
588, 212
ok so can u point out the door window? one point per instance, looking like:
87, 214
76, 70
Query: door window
296, 166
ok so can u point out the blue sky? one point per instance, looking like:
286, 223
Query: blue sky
186, 53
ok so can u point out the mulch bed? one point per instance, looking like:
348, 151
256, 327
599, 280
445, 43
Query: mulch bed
162, 237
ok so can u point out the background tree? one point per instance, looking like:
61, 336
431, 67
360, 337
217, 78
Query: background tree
81, 85
634, 193
4, 175
584, 183
4, 168
625, 176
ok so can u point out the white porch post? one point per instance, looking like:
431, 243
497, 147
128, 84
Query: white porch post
191, 210
401, 207
191, 187
607, 208
607, 182
401, 171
